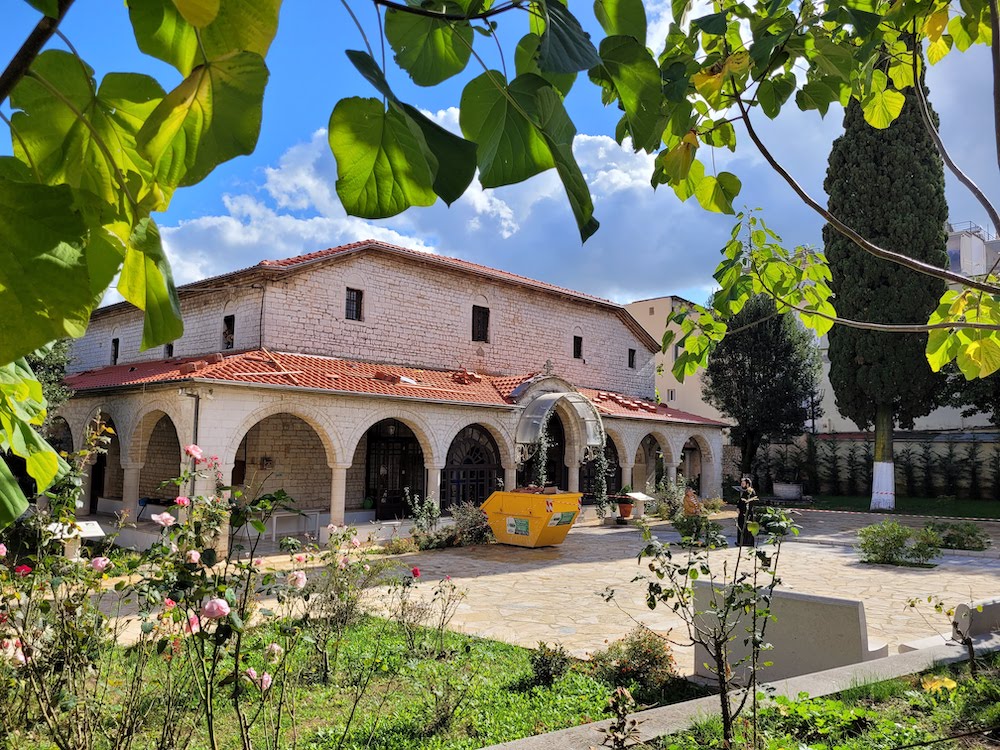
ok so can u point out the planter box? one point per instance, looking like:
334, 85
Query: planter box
788, 490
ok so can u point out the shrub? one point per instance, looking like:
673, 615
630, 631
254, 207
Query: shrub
641, 661
400, 546
961, 535
436, 539
471, 524
889, 543
549, 663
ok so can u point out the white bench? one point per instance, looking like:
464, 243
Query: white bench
809, 633
311, 518
972, 620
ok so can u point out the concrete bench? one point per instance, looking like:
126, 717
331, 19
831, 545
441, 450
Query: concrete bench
972, 619
809, 633
311, 518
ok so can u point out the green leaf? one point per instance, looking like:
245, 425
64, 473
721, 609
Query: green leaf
676, 163
635, 77
212, 116
942, 348
12, 501
509, 147
147, 283
45, 292
714, 23
429, 49
937, 50
772, 93
980, 357
65, 150
960, 33
239, 26
622, 18
565, 47
198, 13
816, 95
49, 8
687, 187
881, 105
382, 163
717, 194
526, 61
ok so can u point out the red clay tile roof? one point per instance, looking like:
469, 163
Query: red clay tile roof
263, 367
299, 261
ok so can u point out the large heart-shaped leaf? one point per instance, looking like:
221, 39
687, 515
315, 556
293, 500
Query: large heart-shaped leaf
97, 155
622, 18
526, 61
717, 193
565, 47
881, 105
45, 292
382, 159
636, 79
429, 49
211, 117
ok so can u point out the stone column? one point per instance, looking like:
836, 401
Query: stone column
130, 489
627, 469
509, 477
338, 494
573, 481
434, 483
671, 473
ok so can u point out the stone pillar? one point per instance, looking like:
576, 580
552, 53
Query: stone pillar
573, 481
338, 494
671, 473
130, 489
509, 477
434, 483
627, 469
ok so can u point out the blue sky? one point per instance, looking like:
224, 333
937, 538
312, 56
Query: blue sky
281, 201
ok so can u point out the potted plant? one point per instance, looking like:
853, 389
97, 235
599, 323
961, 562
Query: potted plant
624, 502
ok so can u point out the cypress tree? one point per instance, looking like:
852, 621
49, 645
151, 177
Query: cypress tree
889, 186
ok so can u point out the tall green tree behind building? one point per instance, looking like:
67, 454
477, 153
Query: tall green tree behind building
888, 185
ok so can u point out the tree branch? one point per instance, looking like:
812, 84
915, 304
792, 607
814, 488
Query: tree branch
23, 58
879, 252
418, 11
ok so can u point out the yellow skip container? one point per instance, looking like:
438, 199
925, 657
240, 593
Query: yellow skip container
527, 519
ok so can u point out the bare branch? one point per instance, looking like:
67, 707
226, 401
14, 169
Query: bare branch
869, 247
419, 11
23, 58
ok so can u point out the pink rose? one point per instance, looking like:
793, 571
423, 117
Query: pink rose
23, 570
215, 609
193, 556
251, 674
164, 519
344, 562
265, 682
100, 564
169, 603
3, 550
182, 501
193, 624
194, 451
416, 572
332, 528
296, 579
258, 561
273, 653
355, 543
300, 558
367, 568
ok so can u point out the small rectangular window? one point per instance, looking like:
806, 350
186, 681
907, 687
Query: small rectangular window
481, 324
652, 311
114, 351
671, 394
228, 331
578, 347
631, 358
168, 351
355, 300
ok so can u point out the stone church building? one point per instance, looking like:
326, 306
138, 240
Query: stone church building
349, 375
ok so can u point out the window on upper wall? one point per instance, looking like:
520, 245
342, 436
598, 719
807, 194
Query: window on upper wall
631, 358
114, 351
168, 351
355, 301
481, 323
671, 394
578, 347
652, 311
228, 331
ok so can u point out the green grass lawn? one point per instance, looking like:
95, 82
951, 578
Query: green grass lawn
918, 506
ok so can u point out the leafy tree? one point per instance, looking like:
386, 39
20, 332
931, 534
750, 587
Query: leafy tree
49, 366
889, 185
979, 396
762, 376
94, 160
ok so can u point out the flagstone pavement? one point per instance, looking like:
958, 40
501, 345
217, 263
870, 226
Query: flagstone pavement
552, 594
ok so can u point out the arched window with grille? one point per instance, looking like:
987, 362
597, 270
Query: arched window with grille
472, 468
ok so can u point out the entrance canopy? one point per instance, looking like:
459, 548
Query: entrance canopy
529, 427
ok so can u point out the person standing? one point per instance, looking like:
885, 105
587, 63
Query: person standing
747, 502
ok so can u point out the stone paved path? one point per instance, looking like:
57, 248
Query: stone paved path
525, 596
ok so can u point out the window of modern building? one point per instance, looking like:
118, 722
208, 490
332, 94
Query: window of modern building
631, 358
354, 307
671, 394
578, 347
168, 351
480, 323
228, 331
114, 351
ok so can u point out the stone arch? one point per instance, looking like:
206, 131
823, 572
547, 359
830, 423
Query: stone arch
579, 416
701, 467
60, 435
328, 435
107, 472
648, 470
499, 433
284, 451
143, 423
114, 411
159, 455
433, 453
617, 436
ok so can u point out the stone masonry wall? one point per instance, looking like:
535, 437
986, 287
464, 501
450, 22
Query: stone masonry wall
298, 460
163, 461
